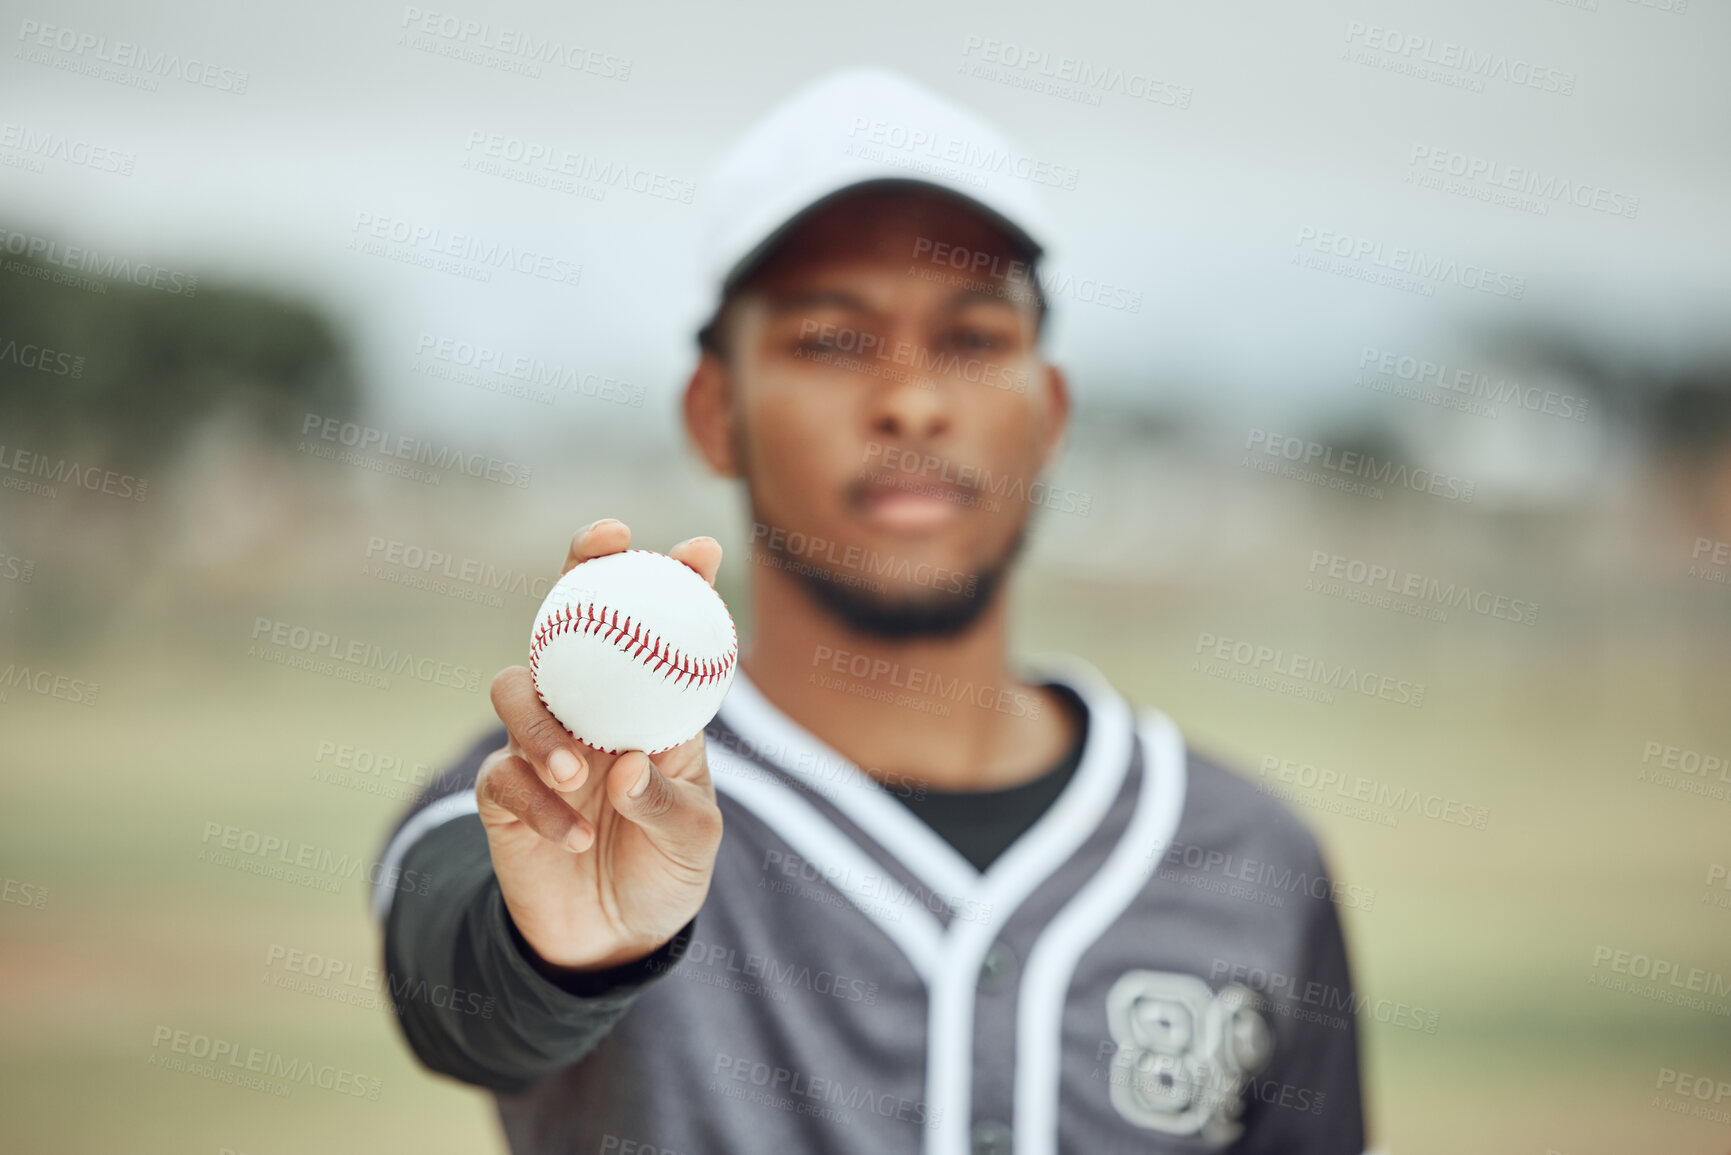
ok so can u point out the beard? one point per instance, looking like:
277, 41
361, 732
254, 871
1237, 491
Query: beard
931, 613
934, 613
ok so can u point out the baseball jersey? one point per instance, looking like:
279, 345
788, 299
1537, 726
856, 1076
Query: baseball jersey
982, 824
1155, 965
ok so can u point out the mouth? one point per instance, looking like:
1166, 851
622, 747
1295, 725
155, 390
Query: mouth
910, 505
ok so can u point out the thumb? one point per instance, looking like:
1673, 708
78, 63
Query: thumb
677, 816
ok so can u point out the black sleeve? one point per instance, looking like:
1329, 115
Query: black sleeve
1308, 1100
473, 1000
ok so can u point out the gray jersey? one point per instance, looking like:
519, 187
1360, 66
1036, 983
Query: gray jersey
1155, 965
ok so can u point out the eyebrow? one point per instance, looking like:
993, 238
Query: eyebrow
841, 298
967, 297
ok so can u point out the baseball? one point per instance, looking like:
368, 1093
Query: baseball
633, 651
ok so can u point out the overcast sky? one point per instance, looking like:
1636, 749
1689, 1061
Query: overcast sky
1273, 118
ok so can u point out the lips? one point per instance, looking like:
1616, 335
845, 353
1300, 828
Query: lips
900, 504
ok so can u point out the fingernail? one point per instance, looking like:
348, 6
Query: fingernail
642, 783
564, 765
578, 840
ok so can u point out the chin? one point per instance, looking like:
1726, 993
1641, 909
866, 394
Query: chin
901, 613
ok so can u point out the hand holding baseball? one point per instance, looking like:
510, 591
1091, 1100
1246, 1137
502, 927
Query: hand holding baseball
601, 858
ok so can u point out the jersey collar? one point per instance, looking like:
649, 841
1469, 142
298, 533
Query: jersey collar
776, 738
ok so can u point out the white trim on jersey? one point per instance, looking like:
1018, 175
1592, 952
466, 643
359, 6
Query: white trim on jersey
1052, 962
912, 927
436, 814
1030, 860
995, 894
774, 737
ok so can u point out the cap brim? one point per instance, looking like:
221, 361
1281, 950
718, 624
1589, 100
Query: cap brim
749, 263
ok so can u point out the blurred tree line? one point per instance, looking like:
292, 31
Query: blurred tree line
1677, 407
130, 372
1680, 407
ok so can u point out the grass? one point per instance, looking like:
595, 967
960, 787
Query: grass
108, 808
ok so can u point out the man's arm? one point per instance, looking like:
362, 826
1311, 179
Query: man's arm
551, 876
473, 999
1309, 1100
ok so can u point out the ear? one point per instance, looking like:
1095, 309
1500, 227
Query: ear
708, 407
1055, 411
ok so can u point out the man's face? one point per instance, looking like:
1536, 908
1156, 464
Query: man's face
891, 412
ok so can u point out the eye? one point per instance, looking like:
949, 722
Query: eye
976, 340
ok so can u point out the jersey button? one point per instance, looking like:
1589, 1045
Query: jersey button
991, 1138
998, 969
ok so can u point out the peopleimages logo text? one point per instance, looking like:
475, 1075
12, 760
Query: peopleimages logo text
1547, 187
84, 259
1472, 62
1306, 668
365, 438
362, 654
941, 146
1412, 262
1365, 466
435, 241
515, 42
126, 54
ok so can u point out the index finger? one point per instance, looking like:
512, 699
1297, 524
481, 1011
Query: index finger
610, 535
560, 759
597, 539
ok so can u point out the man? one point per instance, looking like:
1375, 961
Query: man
903, 894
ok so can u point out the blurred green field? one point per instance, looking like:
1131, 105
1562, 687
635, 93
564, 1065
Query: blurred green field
107, 807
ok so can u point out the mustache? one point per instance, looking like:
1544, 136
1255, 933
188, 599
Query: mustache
951, 483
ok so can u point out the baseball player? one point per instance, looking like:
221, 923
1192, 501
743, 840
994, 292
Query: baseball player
905, 893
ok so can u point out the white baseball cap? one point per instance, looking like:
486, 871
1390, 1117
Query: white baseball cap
852, 127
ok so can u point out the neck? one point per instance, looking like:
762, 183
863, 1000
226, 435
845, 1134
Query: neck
947, 712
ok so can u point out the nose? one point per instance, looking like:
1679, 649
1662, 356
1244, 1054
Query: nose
911, 409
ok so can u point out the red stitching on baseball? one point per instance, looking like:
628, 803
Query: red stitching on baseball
670, 663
